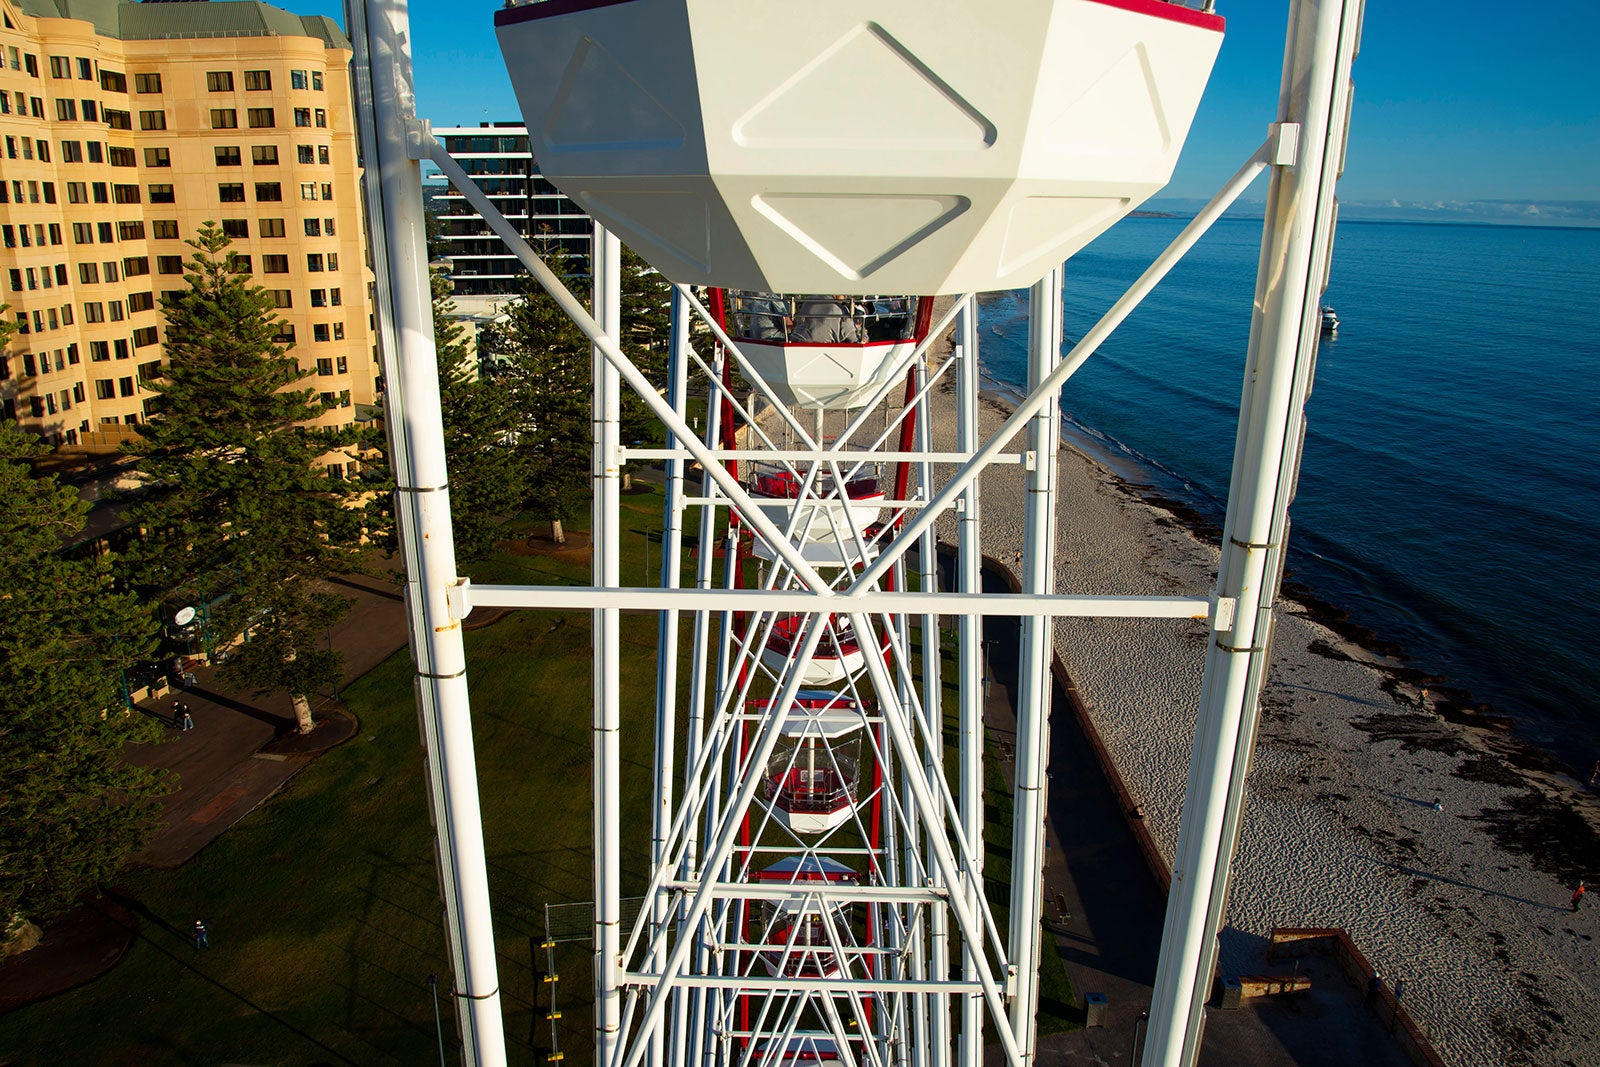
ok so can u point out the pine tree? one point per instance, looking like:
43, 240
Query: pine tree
72, 809
488, 476
544, 361
239, 509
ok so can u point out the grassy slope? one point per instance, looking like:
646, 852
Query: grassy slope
323, 904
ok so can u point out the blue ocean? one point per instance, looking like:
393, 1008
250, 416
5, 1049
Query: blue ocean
1450, 490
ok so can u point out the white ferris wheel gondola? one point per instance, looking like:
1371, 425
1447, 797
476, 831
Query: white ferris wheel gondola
861, 146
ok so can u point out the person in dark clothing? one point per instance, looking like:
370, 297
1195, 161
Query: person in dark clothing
202, 936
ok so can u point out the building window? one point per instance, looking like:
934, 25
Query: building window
219, 81
113, 82
314, 261
327, 191
126, 194
82, 233
313, 227
325, 366
145, 335
94, 150
102, 233
152, 120
60, 67
319, 298
305, 153
227, 155
71, 152
322, 118
261, 118
117, 120
264, 155
236, 227
342, 365
239, 264
110, 266
125, 386
85, 69
131, 230
316, 80
147, 83
114, 311
334, 298
319, 332
302, 116
282, 297
285, 334
333, 261
66, 110
164, 229
224, 118
275, 264
269, 192
271, 227
308, 190
102, 193
297, 79
169, 264
142, 301
105, 389
94, 311
162, 194
123, 157
256, 81
157, 157
231, 192
120, 348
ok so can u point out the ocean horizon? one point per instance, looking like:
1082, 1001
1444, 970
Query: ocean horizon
1446, 501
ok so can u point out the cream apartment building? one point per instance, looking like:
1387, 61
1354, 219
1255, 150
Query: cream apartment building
123, 127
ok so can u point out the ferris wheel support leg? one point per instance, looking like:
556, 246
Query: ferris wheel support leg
937, 1006
1033, 684
1296, 243
414, 420
606, 537
667, 649
969, 579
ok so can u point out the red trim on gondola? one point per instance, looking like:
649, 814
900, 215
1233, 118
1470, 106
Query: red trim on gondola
510, 16
1161, 9
821, 344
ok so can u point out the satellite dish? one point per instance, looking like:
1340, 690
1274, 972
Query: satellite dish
184, 616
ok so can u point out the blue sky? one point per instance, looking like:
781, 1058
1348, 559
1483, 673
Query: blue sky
1467, 100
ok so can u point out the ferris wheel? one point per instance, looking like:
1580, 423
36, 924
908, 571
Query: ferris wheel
827, 185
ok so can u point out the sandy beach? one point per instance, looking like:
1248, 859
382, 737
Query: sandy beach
1467, 904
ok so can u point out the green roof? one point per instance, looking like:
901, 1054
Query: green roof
152, 21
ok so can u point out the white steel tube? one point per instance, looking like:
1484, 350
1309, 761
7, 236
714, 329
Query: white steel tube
386, 111
667, 648
936, 1008
969, 629
644, 598
1033, 683
1321, 44
606, 568
1049, 389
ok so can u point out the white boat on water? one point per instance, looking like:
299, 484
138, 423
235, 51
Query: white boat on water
1330, 320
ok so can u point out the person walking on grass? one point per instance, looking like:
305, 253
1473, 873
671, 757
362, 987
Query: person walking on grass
1577, 895
202, 936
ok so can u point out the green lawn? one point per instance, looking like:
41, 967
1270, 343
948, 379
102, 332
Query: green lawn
323, 904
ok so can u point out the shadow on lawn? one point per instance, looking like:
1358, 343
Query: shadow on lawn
160, 945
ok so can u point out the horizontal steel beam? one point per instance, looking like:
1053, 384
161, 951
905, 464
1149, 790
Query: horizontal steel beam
467, 596
800, 455
827, 892
756, 985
